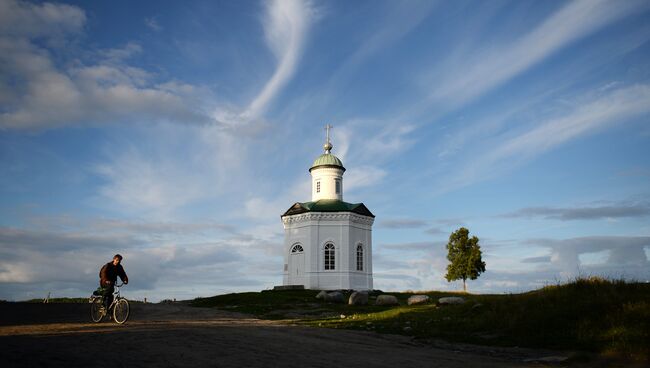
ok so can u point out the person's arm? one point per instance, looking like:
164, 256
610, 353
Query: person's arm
123, 276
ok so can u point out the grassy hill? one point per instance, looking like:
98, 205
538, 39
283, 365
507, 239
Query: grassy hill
59, 300
610, 317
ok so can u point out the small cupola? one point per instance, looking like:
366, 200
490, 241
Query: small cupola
327, 174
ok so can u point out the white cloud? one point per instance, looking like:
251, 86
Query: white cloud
198, 258
611, 108
473, 76
136, 182
286, 25
363, 176
158, 171
24, 19
153, 24
619, 256
47, 95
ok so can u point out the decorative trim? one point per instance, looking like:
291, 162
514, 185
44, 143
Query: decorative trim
327, 216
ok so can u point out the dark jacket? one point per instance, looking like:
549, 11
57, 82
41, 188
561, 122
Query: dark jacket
110, 272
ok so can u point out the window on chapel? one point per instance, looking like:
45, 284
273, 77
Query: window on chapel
297, 249
359, 257
329, 256
338, 186
318, 187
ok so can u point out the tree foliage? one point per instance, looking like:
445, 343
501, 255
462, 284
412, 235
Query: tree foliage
464, 255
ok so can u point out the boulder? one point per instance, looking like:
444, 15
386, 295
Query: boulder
358, 298
335, 297
322, 295
418, 299
451, 300
386, 300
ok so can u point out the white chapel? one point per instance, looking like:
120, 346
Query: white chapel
328, 242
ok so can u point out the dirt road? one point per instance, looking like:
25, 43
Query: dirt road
175, 335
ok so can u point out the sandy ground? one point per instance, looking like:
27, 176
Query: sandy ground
175, 335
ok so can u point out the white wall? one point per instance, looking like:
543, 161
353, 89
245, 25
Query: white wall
327, 177
343, 229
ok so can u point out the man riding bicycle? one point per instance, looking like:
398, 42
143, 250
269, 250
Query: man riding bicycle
108, 276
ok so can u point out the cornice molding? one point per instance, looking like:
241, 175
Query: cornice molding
327, 216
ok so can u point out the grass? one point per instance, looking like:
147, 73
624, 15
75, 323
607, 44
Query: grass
59, 300
592, 314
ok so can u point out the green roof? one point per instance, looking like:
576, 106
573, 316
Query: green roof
327, 159
328, 205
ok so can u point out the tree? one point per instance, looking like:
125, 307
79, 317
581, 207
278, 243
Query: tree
464, 255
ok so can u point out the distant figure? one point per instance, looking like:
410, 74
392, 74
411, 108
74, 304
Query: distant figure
108, 276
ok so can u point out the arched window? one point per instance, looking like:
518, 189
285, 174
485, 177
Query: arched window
329, 256
297, 249
338, 186
359, 257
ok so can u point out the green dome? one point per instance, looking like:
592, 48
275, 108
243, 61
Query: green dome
327, 159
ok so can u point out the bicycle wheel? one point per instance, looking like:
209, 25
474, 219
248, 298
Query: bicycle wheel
97, 310
121, 311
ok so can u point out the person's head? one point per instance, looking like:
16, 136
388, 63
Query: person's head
117, 259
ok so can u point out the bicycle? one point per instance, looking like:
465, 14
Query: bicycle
119, 305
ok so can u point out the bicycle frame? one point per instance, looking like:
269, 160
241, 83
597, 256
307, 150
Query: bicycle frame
116, 295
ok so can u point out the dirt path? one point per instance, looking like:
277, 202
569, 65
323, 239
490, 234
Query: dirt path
59, 335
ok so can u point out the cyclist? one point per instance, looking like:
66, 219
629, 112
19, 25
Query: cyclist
108, 276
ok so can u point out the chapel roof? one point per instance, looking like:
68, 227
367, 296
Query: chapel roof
328, 205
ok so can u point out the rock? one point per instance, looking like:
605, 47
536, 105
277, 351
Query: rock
322, 295
386, 300
451, 300
407, 329
335, 297
418, 299
477, 306
343, 316
358, 298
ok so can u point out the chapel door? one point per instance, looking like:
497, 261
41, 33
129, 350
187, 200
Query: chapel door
297, 268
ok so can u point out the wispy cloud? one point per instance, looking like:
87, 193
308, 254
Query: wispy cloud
394, 22
472, 77
155, 173
539, 259
620, 210
402, 223
153, 24
415, 246
286, 25
435, 231
587, 117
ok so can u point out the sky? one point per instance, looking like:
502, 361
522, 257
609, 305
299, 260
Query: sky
177, 133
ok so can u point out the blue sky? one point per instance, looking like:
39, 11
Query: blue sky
177, 134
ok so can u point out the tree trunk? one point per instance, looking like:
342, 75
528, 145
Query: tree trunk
464, 286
